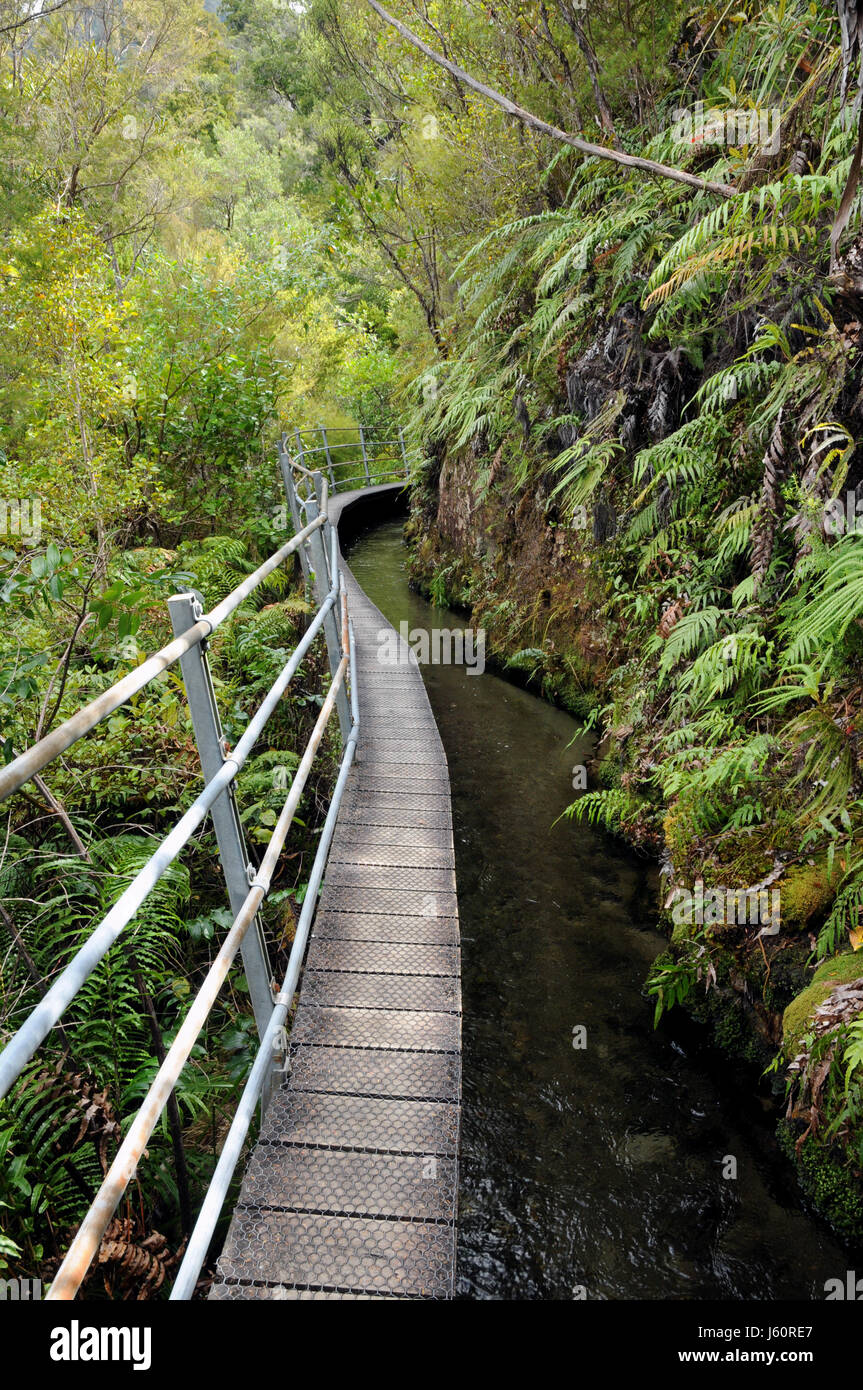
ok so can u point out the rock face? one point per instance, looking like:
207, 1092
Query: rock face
590, 597
509, 554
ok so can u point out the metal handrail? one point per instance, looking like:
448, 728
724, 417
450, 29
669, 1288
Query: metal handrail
199, 1241
304, 449
122, 1170
334, 429
40, 754
47, 1013
54, 1003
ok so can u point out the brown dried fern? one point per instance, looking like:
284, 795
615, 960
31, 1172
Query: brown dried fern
770, 504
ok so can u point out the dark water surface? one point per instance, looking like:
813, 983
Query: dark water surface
600, 1168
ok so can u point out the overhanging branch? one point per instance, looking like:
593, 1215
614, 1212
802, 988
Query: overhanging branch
629, 161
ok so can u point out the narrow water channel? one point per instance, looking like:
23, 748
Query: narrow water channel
598, 1169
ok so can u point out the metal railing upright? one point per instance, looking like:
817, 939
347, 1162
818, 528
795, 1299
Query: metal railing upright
316, 543
374, 467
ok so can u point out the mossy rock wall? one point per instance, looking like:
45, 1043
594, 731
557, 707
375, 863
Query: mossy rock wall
826, 1182
798, 1016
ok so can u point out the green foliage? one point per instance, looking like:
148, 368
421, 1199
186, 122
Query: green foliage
606, 808
834, 602
673, 977
311, 223
681, 373
846, 913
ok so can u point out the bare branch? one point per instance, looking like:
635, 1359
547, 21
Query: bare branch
650, 166
28, 19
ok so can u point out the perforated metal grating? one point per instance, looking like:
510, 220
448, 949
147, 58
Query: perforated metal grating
382, 926
390, 877
370, 837
348, 989
407, 1030
360, 1122
373, 1072
382, 957
359, 853
335, 1182
382, 810
353, 1254
237, 1292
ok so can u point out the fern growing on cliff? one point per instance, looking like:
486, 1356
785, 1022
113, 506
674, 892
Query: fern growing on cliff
607, 808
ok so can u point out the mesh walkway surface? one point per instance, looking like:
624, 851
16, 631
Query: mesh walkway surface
351, 1189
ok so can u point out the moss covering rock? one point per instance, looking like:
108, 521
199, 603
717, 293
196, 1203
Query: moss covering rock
824, 1178
807, 892
798, 1016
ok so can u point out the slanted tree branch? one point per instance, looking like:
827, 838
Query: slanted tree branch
33, 15
630, 161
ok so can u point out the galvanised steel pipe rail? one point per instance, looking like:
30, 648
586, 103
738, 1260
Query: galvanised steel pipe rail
50, 1008
305, 449
40, 754
122, 1170
48, 1012
359, 477
199, 1241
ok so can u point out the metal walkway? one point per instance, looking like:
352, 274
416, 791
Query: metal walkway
351, 1189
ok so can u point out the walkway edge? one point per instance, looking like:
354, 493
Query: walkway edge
351, 1190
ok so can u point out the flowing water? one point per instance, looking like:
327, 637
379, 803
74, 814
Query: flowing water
595, 1171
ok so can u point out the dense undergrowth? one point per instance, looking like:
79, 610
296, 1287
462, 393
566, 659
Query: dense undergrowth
124, 788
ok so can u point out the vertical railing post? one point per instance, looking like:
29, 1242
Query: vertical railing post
365, 455
301, 458
293, 503
319, 544
185, 610
323, 430
404, 453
